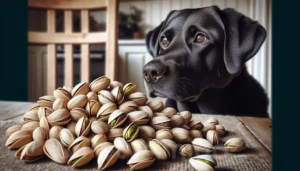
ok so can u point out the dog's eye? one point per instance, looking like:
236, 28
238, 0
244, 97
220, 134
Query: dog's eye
201, 39
164, 41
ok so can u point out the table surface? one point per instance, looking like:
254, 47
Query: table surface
257, 133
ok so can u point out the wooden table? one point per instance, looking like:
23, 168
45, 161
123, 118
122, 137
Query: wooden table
257, 132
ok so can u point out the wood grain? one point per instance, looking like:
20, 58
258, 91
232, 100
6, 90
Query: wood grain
67, 4
69, 63
261, 128
85, 50
9, 109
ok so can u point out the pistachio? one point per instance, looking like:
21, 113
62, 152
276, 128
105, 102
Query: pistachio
195, 134
117, 118
186, 115
40, 134
202, 145
31, 115
164, 134
100, 147
80, 88
13, 129
71, 126
105, 111
180, 135
176, 120
30, 126
81, 157
156, 105
139, 145
68, 88
99, 84
186, 150
78, 113
61, 93
128, 106
147, 110
31, 151
220, 130
92, 107
195, 124
169, 111
131, 132
115, 84
66, 137
83, 127
93, 118
59, 117
44, 123
46, 101
78, 101
123, 147
114, 132
139, 117
108, 157
170, 144
185, 127
99, 127
213, 137
129, 88
139, 98
141, 160
98, 139
160, 122
80, 142
18, 139
203, 162
60, 104
213, 121
55, 151
92, 96
207, 126
105, 96
146, 132
55, 132
44, 111
162, 114
235, 145
159, 149
118, 94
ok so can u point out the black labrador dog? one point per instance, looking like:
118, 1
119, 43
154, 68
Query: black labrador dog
199, 57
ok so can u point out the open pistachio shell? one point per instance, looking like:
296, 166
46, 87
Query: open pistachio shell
98, 139
99, 127
44, 112
115, 84
139, 145
61, 93
118, 94
80, 88
55, 132
131, 132
68, 88
30, 126
44, 123
13, 129
164, 134
170, 144
59, 117
83, 127
108, 157
162, 114
117, 118
55, 151
195, 124
123, 147
105, 111
80, 142
81, 157
213, 137
195, 134
202, 145
31, 151
213, 121
129, 88
146, 132
186, 150
78, 101
235, 145
203, 162
160, 122
139, 98
147, 110
60, 104
180, 135
40, 134
139, 117
141, 160
186, 115
71, 126
92, 96
170, 111
207, 126
19, 151
99, 84
66, 137
31, 115
46, 101
114, 132
78, 113
105, 96
101, 146
92, 107
177, 121
159, 149
220, 130
128, 106
156, 105
18, 139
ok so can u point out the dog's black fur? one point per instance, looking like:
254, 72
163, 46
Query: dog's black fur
206, 77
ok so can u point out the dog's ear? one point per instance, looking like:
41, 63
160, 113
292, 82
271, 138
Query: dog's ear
243, 38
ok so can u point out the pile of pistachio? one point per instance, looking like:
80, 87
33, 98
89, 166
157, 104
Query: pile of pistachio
109, 121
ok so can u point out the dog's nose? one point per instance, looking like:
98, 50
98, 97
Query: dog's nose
153, 71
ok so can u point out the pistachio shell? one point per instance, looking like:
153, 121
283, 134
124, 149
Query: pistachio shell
170, 144
44, 123
203, 162
99, 84
19, 151
162, 114
118, 94
92, 96
55, 151
202, 145
160, 122
59, 117
40, 134
92, 107
146, 132
129, 88
177, 120
117, 118
180, 135
100, 147
186, 115
66, 137
156, 105
170, 111
13, 129
139, 117
186, 150
31, 115
131, 132
235, 145
78, 113
114, 132
159, 149
105, 96
139, 98
55, 132
83, 127
147, 110
213, 137
106, 110
80, 142
164, 134
206, 127
195, 134
68, 88
139, 145
115, 84
128, 106
60, 104
213, 121
195, 124
46, 101
220, 130
71, 126
80, 88
107, 157
61, 93
99, 127
141, 160
78, 101
123, 147
30, 126
32, 151
81, 157
44, 111
98, 139
18, 139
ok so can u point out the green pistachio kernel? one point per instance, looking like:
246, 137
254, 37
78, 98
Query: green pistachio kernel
87, 121
131, 131
75, 160
113, 122
207, 162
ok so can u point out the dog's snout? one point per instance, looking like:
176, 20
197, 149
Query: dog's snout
153, 71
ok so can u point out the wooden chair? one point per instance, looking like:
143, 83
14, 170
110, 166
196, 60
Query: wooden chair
84, 38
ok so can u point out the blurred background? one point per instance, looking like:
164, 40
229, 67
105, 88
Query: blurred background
82, 40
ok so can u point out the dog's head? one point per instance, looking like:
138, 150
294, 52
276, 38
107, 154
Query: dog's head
195, 49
